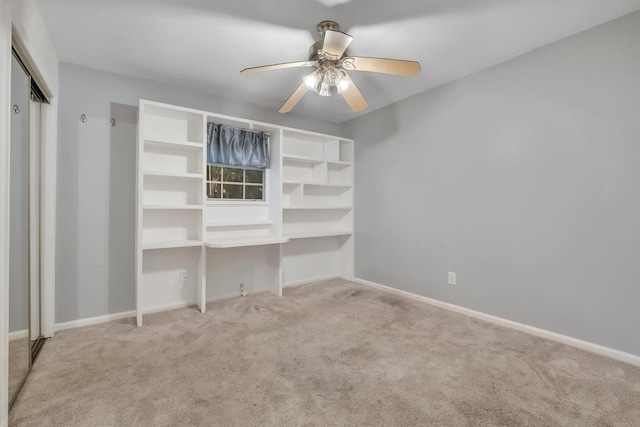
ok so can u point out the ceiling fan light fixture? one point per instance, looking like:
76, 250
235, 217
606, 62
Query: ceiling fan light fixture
342, 83
312, 80
324, 89
323, 79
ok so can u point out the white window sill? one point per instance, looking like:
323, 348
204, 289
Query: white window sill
214, 202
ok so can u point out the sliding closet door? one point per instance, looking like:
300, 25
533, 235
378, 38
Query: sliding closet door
19, 341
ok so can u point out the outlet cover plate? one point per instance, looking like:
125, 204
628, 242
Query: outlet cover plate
452, 278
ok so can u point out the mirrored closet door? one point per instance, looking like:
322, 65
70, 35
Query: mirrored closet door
24, 237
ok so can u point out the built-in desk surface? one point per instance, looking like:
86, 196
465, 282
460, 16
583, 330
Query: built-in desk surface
236, 242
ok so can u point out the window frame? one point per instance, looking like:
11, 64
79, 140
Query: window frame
265, 187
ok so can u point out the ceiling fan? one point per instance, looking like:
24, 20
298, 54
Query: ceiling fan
329, 57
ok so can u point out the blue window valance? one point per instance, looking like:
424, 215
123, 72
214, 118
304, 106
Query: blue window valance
237, 147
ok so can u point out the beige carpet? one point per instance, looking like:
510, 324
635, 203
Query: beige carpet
330, 354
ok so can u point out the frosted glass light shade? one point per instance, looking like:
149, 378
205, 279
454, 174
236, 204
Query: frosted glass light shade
312, 80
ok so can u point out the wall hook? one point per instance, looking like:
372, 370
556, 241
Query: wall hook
113, 122
16, 109
83, 118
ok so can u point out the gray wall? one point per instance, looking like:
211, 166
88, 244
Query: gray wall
96, 182
524, 179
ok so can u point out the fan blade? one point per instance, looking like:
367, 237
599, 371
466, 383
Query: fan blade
335, 43
353, 96
295, 97
382, 65
278, 66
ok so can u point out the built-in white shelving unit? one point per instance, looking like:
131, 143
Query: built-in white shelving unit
317, 206
190, 249
170, 200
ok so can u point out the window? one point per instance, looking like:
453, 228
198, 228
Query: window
234, 183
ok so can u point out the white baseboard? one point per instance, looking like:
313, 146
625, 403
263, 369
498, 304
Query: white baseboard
18, 335
310, 280
127, 314
94, 320
166, 307
184, 304
629, 358
236, 294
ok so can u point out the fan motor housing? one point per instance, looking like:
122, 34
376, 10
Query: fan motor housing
316, 48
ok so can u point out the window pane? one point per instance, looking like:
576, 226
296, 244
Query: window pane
232, 191
253, 175
213, 191
233, 175
214, 173
253, 192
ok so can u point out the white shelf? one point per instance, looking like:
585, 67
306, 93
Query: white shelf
317, 207
173, 174
171, 244
172, 207
301, 158
239, 223
240, 241
318, 184
172, 142
309, 234
339, 162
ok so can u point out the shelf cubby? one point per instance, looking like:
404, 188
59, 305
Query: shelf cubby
166, 190
325, 195
168, 123
171, 158
299, 170
304, 145
291, 194
346, 151
339, 173
297, 221
316, 258
166, 225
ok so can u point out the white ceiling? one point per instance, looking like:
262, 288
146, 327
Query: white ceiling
203, 44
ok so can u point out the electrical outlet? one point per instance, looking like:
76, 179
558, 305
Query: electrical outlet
452, 278
183, 276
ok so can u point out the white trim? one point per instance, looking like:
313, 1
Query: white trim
48, 176
5, 102
183, 304
236, 295
249, 122
90, 321
34, 46
310, 280
18, 335
94, 320
629, 358
167, 307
